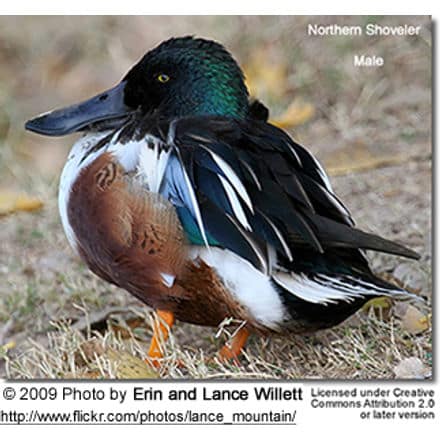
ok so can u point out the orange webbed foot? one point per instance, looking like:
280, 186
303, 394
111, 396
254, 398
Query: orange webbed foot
230, 351
161, 331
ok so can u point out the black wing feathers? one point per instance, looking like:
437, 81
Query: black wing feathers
225, 231
232, 163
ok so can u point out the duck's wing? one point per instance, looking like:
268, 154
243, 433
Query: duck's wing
248, 187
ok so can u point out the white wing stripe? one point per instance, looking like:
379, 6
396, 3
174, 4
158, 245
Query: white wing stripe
339, 206
195, 206
322, 173
232, 177
252, 173
235, 203
257, 250
280, 237
194, 202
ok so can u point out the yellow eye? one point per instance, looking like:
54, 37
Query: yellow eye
163, 78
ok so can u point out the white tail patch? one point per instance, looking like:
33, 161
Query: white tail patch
324, 289
252, 288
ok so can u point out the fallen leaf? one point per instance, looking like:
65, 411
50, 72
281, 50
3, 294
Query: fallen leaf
130, 367
382, 302
263, 76
267, 75
6, 347
11, 202
297, 113
380, 305
9, 345
411, 368
414, 321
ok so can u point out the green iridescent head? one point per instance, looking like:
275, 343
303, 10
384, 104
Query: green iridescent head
187, 76
181, 77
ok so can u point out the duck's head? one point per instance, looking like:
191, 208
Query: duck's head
181, 77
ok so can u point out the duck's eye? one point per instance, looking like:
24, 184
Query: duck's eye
163, 78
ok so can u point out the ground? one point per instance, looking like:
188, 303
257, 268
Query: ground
370, 127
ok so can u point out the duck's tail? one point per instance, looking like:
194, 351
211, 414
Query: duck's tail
333, 234
322, 300
320, 288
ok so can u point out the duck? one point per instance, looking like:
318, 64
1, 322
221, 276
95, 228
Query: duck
182, 193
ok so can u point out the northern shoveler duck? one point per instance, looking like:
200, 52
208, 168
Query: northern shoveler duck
183, 194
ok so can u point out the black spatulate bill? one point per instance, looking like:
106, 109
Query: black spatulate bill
106, 106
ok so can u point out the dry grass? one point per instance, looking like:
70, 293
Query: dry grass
365, 347
57, 313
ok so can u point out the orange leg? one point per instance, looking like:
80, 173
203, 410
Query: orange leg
230, 352
161, 331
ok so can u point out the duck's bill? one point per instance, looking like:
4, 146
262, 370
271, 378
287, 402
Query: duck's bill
106, 107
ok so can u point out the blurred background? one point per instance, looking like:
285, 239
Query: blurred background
370, 127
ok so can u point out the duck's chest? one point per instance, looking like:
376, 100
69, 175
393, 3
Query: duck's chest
114, 217
90, 163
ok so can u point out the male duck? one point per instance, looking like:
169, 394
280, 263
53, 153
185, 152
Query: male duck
182, 193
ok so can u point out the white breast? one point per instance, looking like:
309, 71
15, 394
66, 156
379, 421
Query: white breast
145, 157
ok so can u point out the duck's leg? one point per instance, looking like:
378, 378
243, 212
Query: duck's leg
161, 330
229, 352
